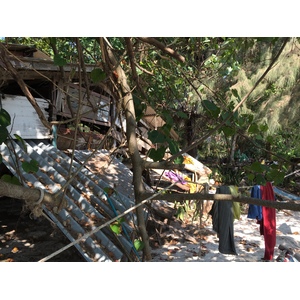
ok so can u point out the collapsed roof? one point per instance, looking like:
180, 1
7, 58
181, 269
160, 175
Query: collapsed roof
88, 204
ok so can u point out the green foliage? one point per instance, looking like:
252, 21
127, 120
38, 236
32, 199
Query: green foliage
10, 179
116, 226
30, 167
139, 106
211, 108
5, 121
157, 154
173, 146
97, 75
59, 60
165, 142
156, 137
185, 209
180, 213
260, 173
21, 141
3, 134
138, 244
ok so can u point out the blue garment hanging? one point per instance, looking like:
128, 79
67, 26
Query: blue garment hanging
255, 211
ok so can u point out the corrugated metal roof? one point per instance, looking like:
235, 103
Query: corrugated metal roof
87, 205
26, 122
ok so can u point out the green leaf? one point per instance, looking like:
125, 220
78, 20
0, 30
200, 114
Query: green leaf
121, 220
173, 146
3, 134
257, 167
97, 75
182, 115
138, 245
263, 127
226, 116
5, 119
276, 176
245, 119
59, 60
156, 136
30, 167
22, 142
15, 180
228, 131
235, 93
52, 40
253, 128
260, 179
10, 179
270, 139
180, 213
179, 160
167, 118
116, 228
251, 176
211, 108
157, 155
139, 107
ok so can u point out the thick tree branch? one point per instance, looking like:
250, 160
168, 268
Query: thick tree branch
176, 197
27, 194
161, 46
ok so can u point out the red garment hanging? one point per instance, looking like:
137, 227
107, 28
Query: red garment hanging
268, 222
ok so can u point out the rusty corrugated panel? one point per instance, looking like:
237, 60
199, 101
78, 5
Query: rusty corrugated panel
86, 207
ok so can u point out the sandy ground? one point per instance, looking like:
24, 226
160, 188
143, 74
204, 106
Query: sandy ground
202, 244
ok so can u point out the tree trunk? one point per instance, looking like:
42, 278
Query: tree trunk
120, 81
30, 196
232, 150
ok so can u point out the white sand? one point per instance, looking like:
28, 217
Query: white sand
248, 242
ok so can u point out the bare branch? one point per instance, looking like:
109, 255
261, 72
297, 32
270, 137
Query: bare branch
23, 86
161, 46
178, 197
163, 165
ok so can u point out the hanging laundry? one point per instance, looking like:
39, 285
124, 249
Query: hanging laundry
268, 223
236, 207
222, 219
255, 211
265, 216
